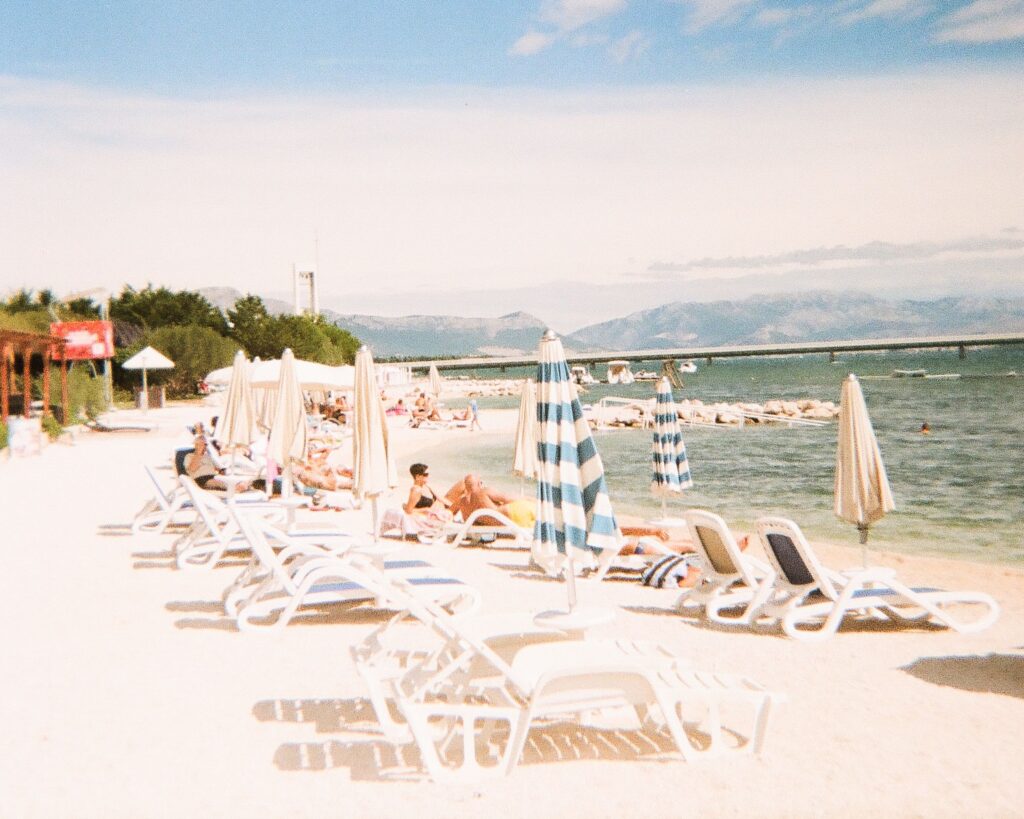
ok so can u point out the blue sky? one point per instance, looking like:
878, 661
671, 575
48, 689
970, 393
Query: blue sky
211, 47
460, 157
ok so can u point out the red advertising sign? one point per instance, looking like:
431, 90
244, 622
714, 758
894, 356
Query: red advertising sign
85, 339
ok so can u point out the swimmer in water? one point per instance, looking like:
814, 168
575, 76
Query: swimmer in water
925, 429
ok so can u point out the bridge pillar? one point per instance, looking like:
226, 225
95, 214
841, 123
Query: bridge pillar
503, 369
963, 351
832, 357
710, 361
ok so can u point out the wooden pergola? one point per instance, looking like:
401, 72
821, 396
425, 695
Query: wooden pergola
14, 343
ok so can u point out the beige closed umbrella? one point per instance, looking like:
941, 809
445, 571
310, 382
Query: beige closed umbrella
288, 439
236, 425
862, 493
436, 384
524, 458
373, 466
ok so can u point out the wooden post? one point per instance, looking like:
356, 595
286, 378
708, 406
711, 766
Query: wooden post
5, 382
47, 356
26, 379
65, 401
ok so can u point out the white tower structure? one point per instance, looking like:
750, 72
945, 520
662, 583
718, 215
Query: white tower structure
305, 279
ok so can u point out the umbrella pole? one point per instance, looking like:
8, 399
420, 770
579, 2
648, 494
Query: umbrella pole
145, 392
570, 578
863, 530
373, 508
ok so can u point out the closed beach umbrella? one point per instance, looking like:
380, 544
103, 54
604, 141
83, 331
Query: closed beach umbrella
288, 429
148, 359
524, 457
236, 425
574, 512
862, 494
670, 473
435, 381
373, 466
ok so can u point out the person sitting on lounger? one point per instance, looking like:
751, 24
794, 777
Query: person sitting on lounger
422, 498
425, 410
318, 473
473, 495
199, 466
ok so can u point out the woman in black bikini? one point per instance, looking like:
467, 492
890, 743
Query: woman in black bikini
421, 497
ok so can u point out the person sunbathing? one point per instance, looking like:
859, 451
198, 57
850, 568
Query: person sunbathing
319, 473
422, 499
199, 466
473, 495
670, 569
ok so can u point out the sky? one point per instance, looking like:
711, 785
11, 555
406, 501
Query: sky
576, 159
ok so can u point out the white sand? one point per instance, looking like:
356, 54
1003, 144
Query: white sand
124, 693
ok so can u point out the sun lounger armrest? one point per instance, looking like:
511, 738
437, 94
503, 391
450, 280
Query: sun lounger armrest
869, 574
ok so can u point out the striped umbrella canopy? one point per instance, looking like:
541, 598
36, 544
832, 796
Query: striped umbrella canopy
862, 493
524, 458
373, 465
288, 429
670, 471
236, 425
574, 512
436, 384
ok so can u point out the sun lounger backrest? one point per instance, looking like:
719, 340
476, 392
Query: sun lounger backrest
179, 459
786, 555
715, 550
793, 556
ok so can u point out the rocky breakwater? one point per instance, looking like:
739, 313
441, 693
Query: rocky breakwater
696, 411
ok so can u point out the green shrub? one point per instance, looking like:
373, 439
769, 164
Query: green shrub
52, 427
3, 435
194, 350
85, 393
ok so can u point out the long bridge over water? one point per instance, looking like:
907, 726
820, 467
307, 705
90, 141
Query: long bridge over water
961, 343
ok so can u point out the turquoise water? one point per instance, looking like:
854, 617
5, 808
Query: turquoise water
959, 492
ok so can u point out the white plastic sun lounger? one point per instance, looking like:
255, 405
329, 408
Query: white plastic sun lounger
303, 576
163, 509
214, 531
811, 601
461, 699
459, 532
730, 580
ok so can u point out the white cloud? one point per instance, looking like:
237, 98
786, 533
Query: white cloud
887, 9
780, 15
983, 21
629, 47
532, 42
706, 13
512, 190
569, 15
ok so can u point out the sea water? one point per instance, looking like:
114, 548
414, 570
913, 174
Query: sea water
959, 491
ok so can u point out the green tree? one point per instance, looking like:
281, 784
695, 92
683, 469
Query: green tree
194, 350
159, 307
267, 336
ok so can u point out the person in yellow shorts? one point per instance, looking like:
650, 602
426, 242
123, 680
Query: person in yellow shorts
474, 495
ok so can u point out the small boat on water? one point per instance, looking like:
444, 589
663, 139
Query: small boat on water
620, 373
688, 366
645, 375
581, 376
909, 373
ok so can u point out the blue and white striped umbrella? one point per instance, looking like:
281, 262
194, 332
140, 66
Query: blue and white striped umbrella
670, 469
573, 508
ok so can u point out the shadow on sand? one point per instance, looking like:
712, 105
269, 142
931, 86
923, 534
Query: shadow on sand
991, 673
373, 758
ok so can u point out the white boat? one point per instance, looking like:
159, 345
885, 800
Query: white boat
619, 373
581, 376
645, 375
689, 366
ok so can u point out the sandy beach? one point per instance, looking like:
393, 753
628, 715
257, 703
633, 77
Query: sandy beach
127, 693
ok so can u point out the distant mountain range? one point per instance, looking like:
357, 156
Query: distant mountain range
813, 316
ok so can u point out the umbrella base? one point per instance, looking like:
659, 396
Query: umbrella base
576, 620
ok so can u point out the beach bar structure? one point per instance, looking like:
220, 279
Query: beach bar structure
14, 344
